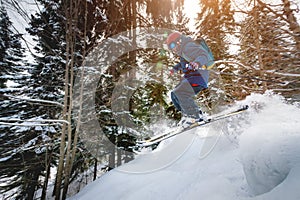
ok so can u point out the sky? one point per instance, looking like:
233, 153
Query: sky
20, 24
190, 6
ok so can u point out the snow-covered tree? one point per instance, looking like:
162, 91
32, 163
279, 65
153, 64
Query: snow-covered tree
11, 51
269, 50
216, 24
20, 165
30, 149
65, 32
124, 16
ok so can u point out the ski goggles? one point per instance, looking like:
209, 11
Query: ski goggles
172, 45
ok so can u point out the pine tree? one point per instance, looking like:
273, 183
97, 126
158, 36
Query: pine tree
65, 32
20, 167
124, 16
11, 52
216, 24
268, 49
35, 147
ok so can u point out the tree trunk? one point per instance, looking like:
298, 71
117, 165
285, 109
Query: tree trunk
48, 168
257, 41
119, 157
112, 157
72, 19
95, 169
59, 174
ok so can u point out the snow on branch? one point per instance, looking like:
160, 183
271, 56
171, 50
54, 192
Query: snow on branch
233, 62
30, 122
35, 100
27, 124
248, 67
283, 74
35, 120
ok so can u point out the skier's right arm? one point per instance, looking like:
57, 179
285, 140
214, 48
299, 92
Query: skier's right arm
177, 67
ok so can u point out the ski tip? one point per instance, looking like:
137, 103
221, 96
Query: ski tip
245, 107
140, 142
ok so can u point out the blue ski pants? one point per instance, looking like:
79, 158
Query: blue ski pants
183, 98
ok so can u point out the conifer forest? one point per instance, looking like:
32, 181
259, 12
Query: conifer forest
63, 79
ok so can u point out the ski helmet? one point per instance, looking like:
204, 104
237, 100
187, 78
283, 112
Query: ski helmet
172, 39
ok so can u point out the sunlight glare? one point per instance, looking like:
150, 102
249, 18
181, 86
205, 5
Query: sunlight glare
191, 9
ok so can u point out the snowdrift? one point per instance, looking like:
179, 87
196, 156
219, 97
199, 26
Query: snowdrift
254, 156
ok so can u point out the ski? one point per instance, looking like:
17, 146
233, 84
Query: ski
158, 138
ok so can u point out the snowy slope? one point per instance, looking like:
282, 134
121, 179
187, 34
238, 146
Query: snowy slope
254, 156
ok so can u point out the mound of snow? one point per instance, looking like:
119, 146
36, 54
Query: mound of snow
270, 148
206, 164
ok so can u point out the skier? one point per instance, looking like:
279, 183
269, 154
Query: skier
195, 61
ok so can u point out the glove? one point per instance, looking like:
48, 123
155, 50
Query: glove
194, 65
172, 72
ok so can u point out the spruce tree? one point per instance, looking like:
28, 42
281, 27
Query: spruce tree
53, 27
20, 166
215, 23
11, 51
269, 51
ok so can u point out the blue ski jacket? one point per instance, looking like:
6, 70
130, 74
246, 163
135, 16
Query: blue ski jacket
190, 51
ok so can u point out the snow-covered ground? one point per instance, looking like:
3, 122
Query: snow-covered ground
253, 156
